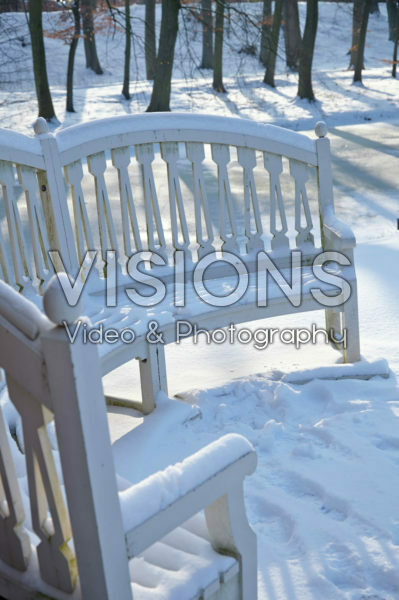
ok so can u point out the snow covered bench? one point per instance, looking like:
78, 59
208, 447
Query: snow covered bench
65, 530
182, 189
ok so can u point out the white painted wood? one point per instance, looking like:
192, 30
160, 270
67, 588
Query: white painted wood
47, 154
115, 132
203, 226
203, 494
152, 376
230, 532
227, 219
180, 238
74, 397
155, 234
274, 166
60, 233
121, 160
97, 166
40, 245
56, 560
252, 219
19, 251
87, 464
350, 321
84, 237
300, 173
336, 236
14, 541
7, 273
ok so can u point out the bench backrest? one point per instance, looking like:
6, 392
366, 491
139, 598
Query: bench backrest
105, 185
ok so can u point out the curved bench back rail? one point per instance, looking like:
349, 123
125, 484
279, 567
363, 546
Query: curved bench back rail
161, 183
187, 182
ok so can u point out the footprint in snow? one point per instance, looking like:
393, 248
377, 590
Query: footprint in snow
275, 526
343, 567
308, 490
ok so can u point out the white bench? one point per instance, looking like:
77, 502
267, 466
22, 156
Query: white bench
65, 531
216, 185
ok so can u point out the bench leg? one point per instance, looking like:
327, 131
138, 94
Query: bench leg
334, 325
350, 318
230, 532
152, 376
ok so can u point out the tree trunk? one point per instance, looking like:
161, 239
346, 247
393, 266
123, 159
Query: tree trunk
356, 24
218, 56
362, 40
149, 39
92, 61
266, 31
292, 33
305, 89
207, 41
374, 7
396, 40
45, 103
160, 99
128, 41
391, 9
272, 54
71, 56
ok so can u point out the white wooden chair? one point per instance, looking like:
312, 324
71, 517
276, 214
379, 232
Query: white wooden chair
98, 187
65, 531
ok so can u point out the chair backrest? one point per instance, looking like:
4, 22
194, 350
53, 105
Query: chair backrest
48, 378
160, 182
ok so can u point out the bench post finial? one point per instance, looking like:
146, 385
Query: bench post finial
321, 129
40, 126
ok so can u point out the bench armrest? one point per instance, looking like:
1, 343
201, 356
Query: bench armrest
337, 235
165, 500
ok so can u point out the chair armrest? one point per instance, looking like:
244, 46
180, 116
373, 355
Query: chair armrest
337, 235
165, 500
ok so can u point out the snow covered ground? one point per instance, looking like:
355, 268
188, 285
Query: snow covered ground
339, 102
324, 499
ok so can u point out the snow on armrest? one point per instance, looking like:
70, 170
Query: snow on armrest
338, 233
20, 312
142, 501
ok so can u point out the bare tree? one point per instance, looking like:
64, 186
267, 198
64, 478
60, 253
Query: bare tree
45, 103
305, 89
71, 55
266, 31
356, 24
391, 9
128, 43
207, 41
160, 98
218, 55
92, 61
272, 54
396, 39
374, 8
292, 33
149, 39
362, 41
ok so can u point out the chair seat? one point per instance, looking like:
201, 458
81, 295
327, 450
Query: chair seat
180, 565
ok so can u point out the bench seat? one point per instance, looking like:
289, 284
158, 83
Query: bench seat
198, 312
